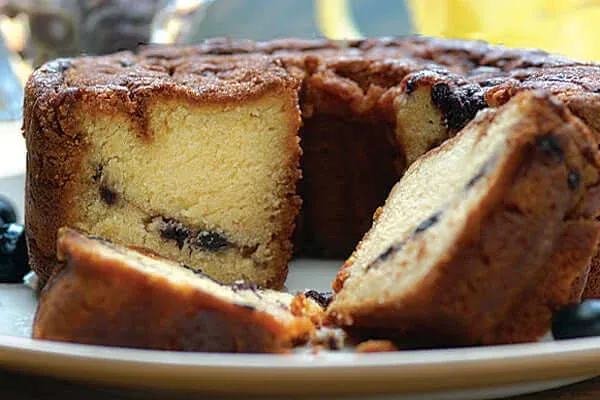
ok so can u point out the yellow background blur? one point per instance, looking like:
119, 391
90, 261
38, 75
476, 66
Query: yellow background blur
566, 27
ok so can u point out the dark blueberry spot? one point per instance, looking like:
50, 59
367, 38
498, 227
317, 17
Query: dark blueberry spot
174, 231
207, 73
7, 211
411, 85
476, 178
482, 172
550, 145
14, 261
108, 196
126, 63
209, 240
322, 298
98, 174
573, 180
440, 93
582, 320
206, 240
332, 343
458, 106
388, 252
246, 306
428, 223
241, 285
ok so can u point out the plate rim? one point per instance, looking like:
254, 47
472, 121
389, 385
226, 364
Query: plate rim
508, 352
421, 371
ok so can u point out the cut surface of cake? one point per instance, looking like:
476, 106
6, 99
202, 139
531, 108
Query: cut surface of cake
106, 294
483, 237
199, 164
192, 151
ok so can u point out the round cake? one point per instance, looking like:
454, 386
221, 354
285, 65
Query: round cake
197, 152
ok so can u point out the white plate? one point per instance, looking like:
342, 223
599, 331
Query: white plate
484, 372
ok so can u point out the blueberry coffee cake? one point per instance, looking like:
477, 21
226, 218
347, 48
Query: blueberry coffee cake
204, 153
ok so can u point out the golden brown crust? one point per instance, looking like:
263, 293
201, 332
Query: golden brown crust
592, 285
99, 300
518, 257
554, 286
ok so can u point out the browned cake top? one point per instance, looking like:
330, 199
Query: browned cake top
223, 69
136, 75
353, 80
461, 53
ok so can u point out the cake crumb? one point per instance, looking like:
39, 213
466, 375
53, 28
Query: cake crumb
376, 346
308, 307
328, 338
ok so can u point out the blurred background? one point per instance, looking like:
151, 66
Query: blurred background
34, 31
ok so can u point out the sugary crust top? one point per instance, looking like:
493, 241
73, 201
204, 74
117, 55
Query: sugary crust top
466, 54
224, 70
197, 79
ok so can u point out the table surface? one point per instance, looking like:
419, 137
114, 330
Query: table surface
22, 386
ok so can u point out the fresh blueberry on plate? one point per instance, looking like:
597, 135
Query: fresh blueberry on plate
7, 211
14, 262
576, 321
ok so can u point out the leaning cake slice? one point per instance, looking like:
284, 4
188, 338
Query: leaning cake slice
106, 294
483, 237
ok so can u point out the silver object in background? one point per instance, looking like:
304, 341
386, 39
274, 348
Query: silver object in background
173, 23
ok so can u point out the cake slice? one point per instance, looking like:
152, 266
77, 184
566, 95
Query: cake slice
483, 237
106, 294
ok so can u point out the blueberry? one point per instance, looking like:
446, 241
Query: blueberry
14, 262
576, 321
7, 212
